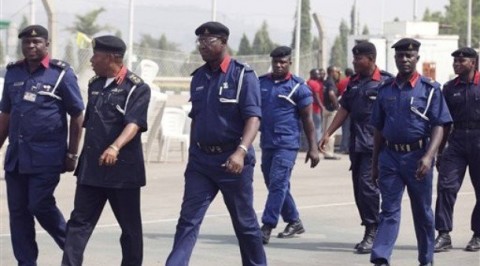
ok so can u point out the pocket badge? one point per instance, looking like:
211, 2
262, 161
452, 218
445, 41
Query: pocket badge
29, 96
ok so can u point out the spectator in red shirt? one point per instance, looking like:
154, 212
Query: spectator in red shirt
342, 86
315, 83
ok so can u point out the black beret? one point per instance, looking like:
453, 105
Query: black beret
465, 52
34, 31
109, 44
281, 51
212, 27
406, 44
364, 48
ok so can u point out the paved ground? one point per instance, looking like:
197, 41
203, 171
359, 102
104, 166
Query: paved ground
325, 199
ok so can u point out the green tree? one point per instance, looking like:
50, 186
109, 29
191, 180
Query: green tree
454, 20
22, 25
244, 48
162, 43
262, 44
2, 55
87, 23
365, 30
305, 28
338, 55
118, 33
353, 19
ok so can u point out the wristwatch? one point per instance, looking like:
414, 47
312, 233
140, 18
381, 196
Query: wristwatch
72, 156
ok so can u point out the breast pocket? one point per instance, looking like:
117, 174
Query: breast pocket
390, 105
418, 106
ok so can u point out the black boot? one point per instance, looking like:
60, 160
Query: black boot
266, 232
292, 229
474, 244
365, 246
443, 242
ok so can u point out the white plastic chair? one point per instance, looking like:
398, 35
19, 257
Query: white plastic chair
156, 108
173, 124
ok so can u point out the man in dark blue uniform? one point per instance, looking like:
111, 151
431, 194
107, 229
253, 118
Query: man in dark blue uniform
409, 117
111, 166
462, 95
357, 101
286, 101
226, 112
38, 94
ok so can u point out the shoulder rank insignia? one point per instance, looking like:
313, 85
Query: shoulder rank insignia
93, 79
134, 78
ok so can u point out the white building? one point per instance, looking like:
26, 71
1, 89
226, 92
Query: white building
435, 59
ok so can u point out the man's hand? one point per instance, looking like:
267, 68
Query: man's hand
234, 163
323, 142
424, 165
312, 155
108, 157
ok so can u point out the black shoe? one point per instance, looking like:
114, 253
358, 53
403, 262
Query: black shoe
292, 229
381, 262
266, 232
365, 246
428, 264
443, 242
473, 244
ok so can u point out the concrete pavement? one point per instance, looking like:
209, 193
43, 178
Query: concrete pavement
325, 199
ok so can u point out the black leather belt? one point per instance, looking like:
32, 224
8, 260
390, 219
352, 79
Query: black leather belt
216, 149
466, 125
407, 147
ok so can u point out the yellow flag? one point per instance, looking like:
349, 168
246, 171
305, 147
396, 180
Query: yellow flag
83, 41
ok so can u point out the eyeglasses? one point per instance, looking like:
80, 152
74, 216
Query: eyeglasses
206, 40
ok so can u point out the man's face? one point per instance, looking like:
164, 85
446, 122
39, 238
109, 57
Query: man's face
211, 47
101, 63
315, 74
463, 65
406, 61
362, 63
322, 74
335, 74
281, 66
34, 48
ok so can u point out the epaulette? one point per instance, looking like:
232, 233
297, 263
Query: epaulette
12, 64
59, 63
134, 78
247, 67
195, 71
430, 81
386, 74
386, 82
298, 79
93, 79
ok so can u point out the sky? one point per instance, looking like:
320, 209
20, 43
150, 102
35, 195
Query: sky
177, 19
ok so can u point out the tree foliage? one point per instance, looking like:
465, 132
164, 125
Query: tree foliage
454, 20
262, 44
87, 23
365, 30
338, 54
162, 43
22, 25
244, 48
305, 28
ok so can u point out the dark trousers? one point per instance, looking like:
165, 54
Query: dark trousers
397, 171
277, 168
463, 150
88, 206
29, 196
367, 195
202, 184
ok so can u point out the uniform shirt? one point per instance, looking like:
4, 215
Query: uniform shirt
38, 125
329, 85
358, 99
317, 88
393, 111
282, 101
463, 99
108, 112
219, 107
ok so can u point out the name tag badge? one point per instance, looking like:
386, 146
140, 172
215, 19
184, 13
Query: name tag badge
18, 83
28, 96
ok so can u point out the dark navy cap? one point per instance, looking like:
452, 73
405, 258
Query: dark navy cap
212, 27
109, 44
407, 44
465, 52
281, 51
34, 31
364, 48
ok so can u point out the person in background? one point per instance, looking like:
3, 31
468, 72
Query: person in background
462, 97
226, 112
315, 83
342, 86
39, 93
409, 116
286, 102
330, 102
111, 166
